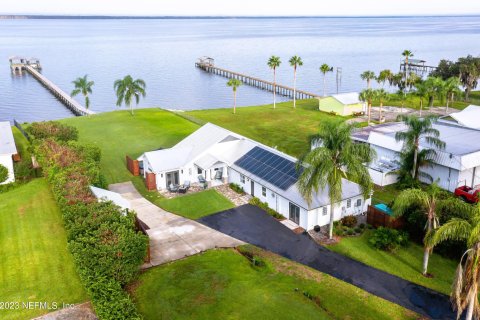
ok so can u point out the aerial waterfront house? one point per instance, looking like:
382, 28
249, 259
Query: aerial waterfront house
7, 150
456, 165
220, 156
468, 117
343, 104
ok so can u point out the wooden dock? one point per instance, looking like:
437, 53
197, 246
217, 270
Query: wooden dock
32, 65
207, 65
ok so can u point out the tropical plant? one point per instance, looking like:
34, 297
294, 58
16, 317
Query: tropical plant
234, 84
469, 68
450, 89
381, 96
385, 76
467, 277
3, 173
324, 69
418, 129
388, 239
421, 92
295, 62
127, 88
83, 86
428, 201
407, 54
433, 88
368, 76
402, 96
367, 96
274, 62
337, 158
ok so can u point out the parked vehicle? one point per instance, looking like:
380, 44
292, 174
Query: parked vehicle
468, 194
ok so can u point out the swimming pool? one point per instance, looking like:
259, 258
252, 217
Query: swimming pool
383, 207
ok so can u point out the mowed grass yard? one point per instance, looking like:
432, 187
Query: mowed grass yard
35, 264
223, 284
405, 262
285, 128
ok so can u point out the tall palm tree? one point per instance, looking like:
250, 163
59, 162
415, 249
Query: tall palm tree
429, 202
407, 54
434, 87
421, 92
385, 76
368, 95
324, 68
127, 88
338, 158
368, 76
234, 83
295, 62
402, 95
83, 86
469, 68
382, 96
467, 277
450, 89
417, 129
274, 62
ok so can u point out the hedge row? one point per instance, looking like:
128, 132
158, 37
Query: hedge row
107, 249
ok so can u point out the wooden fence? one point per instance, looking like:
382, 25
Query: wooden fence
133, 166
150, 181
142, 227
379, 218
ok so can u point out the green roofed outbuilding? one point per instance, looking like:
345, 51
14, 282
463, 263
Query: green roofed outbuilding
343, 104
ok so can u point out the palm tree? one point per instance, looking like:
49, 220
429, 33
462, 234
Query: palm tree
467, 277
421, 92
368, 76
382, 96
234, 83
338, 158
83, 86
434, 87
450, 89
402, 95
407, 54
368, 95
324, 68
418, 129
295, 62
274, 62
469, 68
428, 201
384, 76
127, 88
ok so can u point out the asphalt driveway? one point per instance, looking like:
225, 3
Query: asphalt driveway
253, 225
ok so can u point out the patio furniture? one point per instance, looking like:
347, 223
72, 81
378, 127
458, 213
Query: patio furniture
201, 179
184, 188
186, 184
218, 175
173, 188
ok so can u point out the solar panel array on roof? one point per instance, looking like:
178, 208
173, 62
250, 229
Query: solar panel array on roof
270, 167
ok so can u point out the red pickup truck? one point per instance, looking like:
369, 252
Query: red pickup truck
468, 194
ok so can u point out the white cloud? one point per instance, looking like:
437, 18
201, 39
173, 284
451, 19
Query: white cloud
241, 8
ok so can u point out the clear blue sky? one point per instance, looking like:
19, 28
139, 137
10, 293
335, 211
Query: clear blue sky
241, 7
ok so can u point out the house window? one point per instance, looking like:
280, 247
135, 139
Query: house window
199, 171
324, 211
349, 203
264, 191
359, 203
181, 171
242, 178
190, 171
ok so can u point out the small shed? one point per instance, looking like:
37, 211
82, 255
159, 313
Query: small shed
8, 150
343, 104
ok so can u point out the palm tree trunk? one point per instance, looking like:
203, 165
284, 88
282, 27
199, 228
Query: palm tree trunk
294, 87
234, 102
415, 156
324, 84
446, 109
274, 87
369, 111
426, 255
380, 111
471, 305
332, 216
421, 106
368, 83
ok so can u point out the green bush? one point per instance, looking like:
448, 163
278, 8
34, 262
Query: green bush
3, 173
362, 225
264, 205
235, 187
52, 130
349, 221
350, 232
388, 239
358, 230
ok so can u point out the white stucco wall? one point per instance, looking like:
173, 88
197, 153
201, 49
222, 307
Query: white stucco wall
7, 161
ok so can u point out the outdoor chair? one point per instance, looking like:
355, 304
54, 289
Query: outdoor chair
218, 175
173, 188
201, 179
186, 184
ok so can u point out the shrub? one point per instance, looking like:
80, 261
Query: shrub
52, 130
362, 225
358, 230
338, 231
349, 221
23, 171
3, 173
388, 239
350, 232
264, 205
235, 187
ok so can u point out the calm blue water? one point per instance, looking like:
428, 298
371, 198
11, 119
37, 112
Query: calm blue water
163, 53
384, 208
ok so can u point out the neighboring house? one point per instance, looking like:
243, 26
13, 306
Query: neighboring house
468, 117
220, 156
458, 164
106, 195
7, 149
343, 104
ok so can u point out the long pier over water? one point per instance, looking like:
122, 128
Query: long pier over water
32, 66
207, 64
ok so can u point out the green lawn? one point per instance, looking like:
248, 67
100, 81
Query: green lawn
22, 144
405, 263
223, 284
35, 264
118, 134
413, 102
197, 205
385, 194
286, 128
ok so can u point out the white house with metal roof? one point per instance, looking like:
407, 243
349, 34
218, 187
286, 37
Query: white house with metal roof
220, 156
468, 117
456, 165
7, 150
343, 104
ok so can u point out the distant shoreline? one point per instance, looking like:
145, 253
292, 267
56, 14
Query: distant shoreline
106, 17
